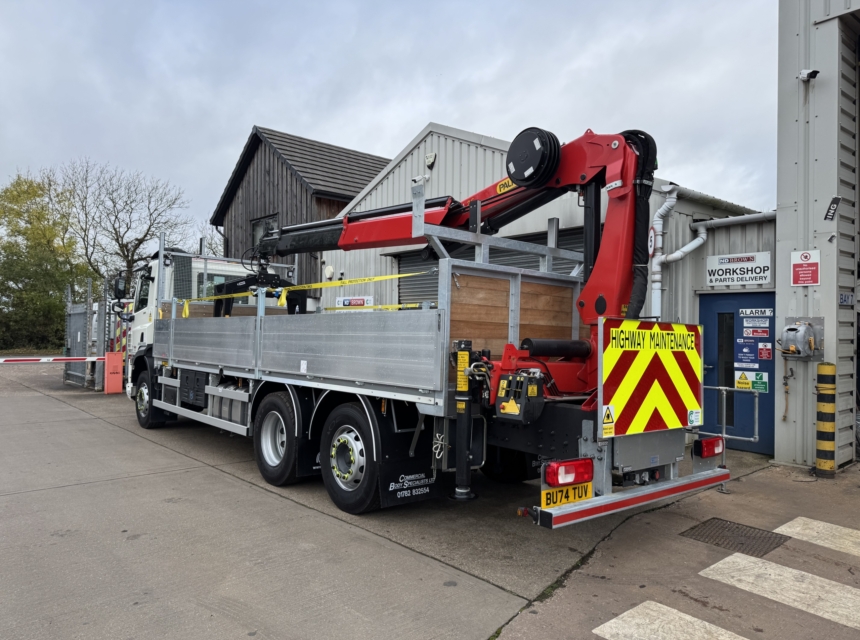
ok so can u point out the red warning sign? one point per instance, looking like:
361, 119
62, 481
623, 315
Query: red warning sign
805, 268
765, 351
757, 333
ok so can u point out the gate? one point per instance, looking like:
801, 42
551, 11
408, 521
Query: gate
86, 335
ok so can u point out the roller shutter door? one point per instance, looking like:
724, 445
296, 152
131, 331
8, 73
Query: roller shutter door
425, 287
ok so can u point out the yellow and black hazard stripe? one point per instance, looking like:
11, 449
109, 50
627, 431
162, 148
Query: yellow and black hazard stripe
825, 429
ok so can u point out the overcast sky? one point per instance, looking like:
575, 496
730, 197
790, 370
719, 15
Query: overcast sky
173, 88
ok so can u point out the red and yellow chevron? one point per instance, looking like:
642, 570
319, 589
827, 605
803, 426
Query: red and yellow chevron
650, 376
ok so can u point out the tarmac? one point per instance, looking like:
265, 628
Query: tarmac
111, 531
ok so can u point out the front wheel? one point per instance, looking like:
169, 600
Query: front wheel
275, 439
350, 474
148, 416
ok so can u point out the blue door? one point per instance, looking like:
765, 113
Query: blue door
738, 330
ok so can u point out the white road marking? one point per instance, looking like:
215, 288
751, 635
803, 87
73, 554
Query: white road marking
823, 534
653, 621
831, 600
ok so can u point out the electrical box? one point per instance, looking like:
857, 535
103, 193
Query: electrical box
803, 339
520, 398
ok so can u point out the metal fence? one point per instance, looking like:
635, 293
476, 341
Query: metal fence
87, 327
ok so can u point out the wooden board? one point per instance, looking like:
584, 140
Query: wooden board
546, 311
479, 312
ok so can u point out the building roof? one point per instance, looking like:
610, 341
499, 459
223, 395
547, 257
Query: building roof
325, 169
432, 127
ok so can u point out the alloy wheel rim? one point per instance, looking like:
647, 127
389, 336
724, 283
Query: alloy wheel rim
347, 458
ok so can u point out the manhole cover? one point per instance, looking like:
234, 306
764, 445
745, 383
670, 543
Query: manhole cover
736, 537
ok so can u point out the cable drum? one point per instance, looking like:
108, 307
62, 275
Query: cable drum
533, 157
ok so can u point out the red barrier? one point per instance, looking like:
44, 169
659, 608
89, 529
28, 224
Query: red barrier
113, 372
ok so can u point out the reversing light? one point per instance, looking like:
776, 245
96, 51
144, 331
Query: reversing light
560, 474
708, 447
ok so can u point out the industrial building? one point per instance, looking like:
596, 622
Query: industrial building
744, 275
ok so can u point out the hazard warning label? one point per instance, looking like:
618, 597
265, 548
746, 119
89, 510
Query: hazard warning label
742, 380
650, 376
608, 421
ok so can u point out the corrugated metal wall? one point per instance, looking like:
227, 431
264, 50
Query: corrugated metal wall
425, 287
461, 169
849, 27
684, 280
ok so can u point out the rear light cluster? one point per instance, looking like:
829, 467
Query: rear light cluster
708, 447
561, 474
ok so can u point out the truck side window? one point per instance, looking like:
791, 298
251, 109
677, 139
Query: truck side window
142, 294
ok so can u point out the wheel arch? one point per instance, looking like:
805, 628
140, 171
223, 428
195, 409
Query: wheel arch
268, 387
142, 361
329, 401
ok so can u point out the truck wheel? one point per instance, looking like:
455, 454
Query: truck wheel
148, 416
349, 472
275, 439
505, 465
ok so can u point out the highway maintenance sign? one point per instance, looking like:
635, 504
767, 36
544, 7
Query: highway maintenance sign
649, 376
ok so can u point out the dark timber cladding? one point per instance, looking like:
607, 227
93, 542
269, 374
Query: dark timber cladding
294, 179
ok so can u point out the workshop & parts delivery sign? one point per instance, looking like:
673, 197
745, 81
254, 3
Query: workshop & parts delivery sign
649, 375
738, 268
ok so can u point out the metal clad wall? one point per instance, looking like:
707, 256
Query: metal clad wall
461, 169
846, 283
425, 287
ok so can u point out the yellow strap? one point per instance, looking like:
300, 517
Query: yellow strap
386, 307
185, 309
282, 301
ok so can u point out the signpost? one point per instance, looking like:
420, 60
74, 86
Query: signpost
806, 268
738, 268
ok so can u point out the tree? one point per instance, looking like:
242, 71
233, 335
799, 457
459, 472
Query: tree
116, 216
213, 242
38, 260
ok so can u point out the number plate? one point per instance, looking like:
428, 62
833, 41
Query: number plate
565, 495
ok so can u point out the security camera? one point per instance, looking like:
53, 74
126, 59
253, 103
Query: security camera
808, 74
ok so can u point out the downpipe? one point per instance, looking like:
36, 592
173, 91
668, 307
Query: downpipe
659, 258
673, 192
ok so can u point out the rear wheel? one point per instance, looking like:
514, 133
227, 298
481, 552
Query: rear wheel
275, 439
350, 474
148, 416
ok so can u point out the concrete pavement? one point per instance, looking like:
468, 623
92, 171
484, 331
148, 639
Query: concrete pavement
97, 514
646, 579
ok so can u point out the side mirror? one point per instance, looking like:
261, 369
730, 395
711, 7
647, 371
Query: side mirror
119, 288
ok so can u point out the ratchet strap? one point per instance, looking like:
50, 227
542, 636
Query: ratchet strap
282, 300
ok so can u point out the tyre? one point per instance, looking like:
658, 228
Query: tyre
350, 474
148, 416
275, 439
505, 465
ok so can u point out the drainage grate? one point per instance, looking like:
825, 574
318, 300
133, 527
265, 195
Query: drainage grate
736, 537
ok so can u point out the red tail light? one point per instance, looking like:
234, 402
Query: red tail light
708, 447
560, 474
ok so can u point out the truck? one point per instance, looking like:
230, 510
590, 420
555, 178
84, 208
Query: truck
524, 374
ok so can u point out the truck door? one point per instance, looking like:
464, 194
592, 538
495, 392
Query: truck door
139, 332
739, 353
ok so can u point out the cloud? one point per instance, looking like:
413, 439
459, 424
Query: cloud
173, 88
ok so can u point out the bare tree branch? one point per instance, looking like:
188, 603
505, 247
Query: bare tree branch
116, 216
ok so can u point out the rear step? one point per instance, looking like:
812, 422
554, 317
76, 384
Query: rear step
564, 515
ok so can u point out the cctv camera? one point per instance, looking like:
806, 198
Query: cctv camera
808, 74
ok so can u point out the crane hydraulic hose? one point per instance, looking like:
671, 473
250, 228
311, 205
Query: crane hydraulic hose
646, 149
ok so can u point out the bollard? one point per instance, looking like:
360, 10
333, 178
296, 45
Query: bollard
825, 434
